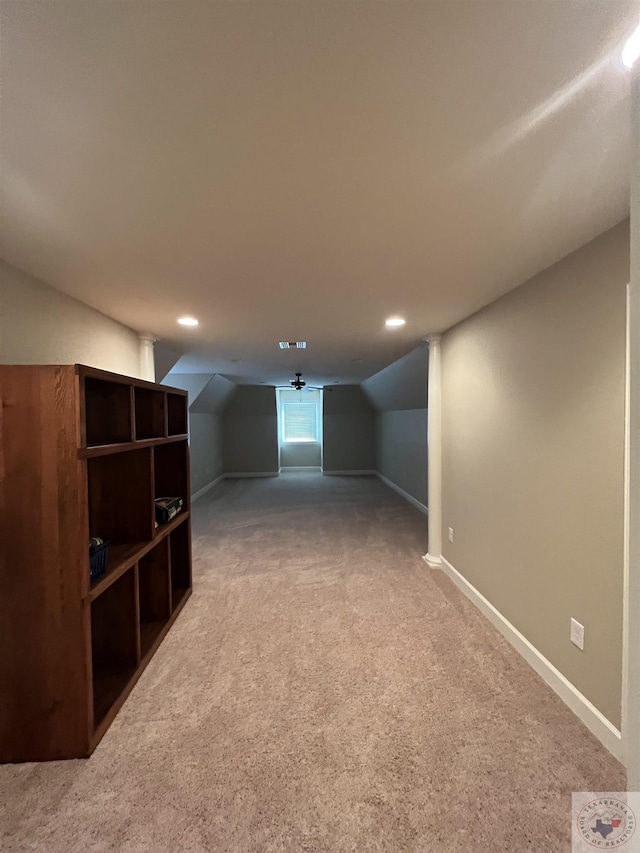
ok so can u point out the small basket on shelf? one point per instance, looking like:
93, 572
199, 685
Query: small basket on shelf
98, 553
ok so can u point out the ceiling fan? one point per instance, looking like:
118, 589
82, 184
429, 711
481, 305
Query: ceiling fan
298, 384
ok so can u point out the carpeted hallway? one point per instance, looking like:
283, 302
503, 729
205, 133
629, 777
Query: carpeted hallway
323, 690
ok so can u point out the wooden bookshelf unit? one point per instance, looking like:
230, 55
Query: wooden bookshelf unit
84, 453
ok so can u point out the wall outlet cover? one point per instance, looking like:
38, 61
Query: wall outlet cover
577, 634
451, 534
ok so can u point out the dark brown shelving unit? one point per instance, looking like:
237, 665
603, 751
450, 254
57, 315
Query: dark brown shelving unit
84, 453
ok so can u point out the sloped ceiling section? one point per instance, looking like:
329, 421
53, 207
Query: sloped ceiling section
402, 385
208, 392
165, 360
194, 383
214, 396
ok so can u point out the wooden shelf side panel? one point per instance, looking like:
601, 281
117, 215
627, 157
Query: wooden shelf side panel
44, 670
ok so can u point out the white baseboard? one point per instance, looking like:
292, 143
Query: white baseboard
593, 719
300, 468
205, 489
364, 473
235, 475
416, 503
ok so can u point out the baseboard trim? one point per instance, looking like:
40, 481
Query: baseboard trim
205, 489
300, 468
363, 473
414, 501
593, 719
433, 562
237, 475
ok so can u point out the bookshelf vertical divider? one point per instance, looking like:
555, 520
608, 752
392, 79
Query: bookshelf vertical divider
84, 453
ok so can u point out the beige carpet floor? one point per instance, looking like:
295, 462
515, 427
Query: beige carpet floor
323, 690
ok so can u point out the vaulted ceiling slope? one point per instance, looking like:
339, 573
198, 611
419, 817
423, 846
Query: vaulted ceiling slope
303, 170
402, 385
208, 393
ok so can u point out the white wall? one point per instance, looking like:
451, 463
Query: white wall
40, 325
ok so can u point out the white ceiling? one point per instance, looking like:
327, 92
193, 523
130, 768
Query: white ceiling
301, 170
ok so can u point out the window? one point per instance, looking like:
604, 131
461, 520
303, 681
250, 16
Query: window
299, 421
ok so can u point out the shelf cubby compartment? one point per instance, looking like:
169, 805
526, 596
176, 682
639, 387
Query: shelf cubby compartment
154, 594
177, 414
107, 412
150, 413
171, 471
180, 551
114, 644
119, 489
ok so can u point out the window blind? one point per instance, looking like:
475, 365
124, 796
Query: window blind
300, 421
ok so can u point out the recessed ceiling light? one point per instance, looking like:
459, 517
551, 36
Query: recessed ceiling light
394, 322
631, 50
187, 321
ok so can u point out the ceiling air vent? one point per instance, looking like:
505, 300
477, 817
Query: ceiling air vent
292, 344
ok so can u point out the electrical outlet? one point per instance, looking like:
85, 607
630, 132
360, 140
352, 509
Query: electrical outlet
451, 534
577, 634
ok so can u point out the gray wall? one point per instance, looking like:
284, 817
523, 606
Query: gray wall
533, 395
399, 394
40, 325
296, 455
208, 394
348, 429
250, 431
401, 450
205, 432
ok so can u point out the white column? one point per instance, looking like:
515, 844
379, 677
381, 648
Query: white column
147, 361
631, 625
434, 455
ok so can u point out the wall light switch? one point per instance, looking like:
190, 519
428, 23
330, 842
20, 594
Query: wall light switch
451, 534
577, 634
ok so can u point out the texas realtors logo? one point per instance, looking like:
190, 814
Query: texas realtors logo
606, 823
